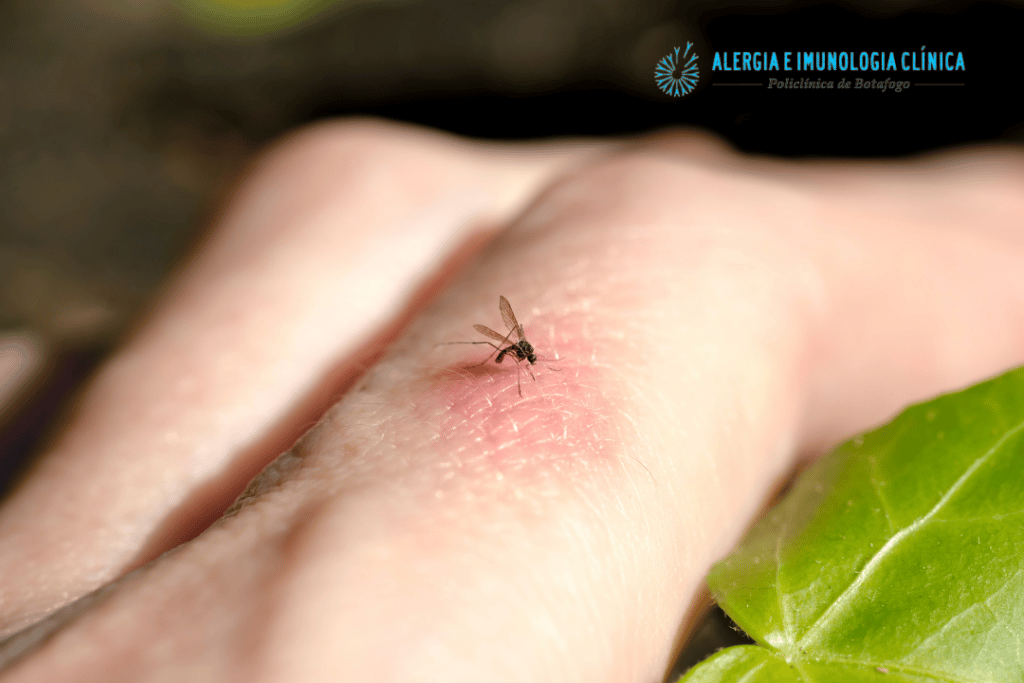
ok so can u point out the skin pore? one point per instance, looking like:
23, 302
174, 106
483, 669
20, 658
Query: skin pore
715, 317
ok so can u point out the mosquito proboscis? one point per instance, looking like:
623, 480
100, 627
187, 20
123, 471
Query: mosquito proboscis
519, 350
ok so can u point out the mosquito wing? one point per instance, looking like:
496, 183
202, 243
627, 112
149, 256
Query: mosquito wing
488, 332
509, 317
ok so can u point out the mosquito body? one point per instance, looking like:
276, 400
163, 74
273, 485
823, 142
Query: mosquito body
519, 350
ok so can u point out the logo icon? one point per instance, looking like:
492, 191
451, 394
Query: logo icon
686, 81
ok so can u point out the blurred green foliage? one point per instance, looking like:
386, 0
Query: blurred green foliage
254, 17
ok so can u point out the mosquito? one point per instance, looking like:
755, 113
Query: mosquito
519, 350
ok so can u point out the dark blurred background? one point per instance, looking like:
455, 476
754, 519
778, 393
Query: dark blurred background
121, 123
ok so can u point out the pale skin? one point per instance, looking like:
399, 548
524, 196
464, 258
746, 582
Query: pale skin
717, 318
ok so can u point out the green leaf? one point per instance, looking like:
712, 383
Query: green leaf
752, 664
897, 557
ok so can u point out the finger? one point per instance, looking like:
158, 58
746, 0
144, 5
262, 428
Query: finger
909, 272
20, 358
918, 275
23, 357
290, 295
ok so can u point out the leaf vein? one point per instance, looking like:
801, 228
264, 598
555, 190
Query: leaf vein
878, 492
834, 610
982, 604
995, 517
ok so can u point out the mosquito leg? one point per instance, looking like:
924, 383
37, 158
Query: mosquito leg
496, 350
461, 342
496, 347
542, 358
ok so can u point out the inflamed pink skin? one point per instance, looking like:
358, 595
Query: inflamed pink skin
708, 319
493, 416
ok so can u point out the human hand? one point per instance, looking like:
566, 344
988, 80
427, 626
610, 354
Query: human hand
715, 317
